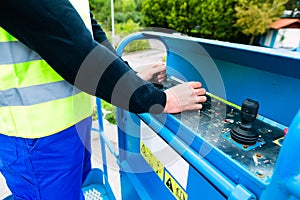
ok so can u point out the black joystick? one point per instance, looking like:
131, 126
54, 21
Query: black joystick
243, 132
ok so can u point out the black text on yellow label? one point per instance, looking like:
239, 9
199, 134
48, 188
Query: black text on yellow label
151, 159
174, 187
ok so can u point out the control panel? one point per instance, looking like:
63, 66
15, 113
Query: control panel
239, 132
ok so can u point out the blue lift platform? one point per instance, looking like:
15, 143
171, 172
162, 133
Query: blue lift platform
192, 155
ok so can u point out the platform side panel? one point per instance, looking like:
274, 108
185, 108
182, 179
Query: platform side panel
138, 180
176, 174
200, 187
236, 81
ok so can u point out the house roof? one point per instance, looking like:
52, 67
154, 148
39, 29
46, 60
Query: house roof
286, 23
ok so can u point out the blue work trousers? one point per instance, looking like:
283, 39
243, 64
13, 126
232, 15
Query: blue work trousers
52, 167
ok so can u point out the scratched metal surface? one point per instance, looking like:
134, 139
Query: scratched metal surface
214, 122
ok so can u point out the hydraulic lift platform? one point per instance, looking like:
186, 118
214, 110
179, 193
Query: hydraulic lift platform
204, 155
196, 155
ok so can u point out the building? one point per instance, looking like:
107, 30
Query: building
284, 33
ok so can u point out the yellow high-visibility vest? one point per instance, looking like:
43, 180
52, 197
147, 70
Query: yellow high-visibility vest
35, 101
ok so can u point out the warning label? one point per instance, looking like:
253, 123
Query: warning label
169, 166
151, 159
174, 187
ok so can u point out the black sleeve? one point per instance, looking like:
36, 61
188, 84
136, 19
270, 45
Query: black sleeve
100, 36
56, 32
98, 33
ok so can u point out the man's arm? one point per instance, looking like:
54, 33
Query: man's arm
99, 35
54, 29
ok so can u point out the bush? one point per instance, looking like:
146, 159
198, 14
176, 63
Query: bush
124, 29
137, 45
136, 17
110, 112
120, 17
128, 28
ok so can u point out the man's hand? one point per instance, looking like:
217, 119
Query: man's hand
155, 73
186, 96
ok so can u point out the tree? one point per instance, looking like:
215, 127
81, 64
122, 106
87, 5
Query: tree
124, 11
292, 4
216, 19
101, 11
139, 5
154, 13
203, 18
254, 17
125, 6
179, 17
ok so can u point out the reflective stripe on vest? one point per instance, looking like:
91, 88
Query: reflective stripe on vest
16, 52
46, 118
35, 101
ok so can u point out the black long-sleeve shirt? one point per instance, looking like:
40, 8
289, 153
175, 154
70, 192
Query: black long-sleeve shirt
54, 29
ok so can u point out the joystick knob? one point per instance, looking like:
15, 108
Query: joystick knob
243, 132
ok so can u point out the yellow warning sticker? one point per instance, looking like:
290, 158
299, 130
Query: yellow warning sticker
151, 159
177, 191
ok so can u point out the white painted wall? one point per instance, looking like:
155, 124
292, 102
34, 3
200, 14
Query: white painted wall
287, 38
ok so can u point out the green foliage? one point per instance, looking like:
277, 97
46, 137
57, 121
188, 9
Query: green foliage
123, 9
292, 4
120, 17
180, 18
203, 18
154, 13
125, 5
95, 114
137, 45
130, 27
134, 16
255, 17
139, 5
127, 28
216, 19
229, 20
127, 18
110, 112
101, 11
